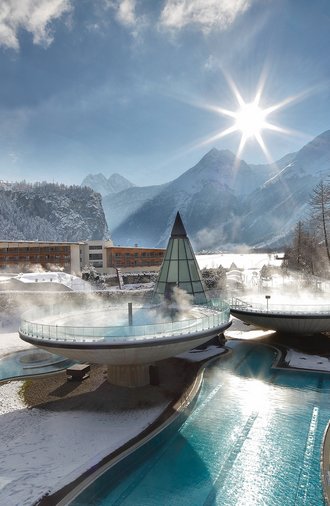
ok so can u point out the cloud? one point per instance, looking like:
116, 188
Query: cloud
205, 14
124, 11
34, 16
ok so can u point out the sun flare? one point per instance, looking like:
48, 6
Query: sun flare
250, 120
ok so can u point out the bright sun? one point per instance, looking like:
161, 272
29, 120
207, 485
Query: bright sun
250, 120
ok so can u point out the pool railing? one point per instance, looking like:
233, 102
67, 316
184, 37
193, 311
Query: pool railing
217, 313
269, 307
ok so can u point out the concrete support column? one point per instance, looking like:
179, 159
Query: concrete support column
129, 375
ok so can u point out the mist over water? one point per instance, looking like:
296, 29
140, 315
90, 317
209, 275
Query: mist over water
245, 279
284, 288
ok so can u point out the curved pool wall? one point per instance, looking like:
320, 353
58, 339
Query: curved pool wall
291, 318
254, 438
29, 363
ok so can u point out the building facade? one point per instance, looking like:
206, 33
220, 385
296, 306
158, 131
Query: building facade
134, 258
73, 258
22, 255
94, 253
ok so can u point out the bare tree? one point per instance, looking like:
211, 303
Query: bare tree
303, 254
320, 205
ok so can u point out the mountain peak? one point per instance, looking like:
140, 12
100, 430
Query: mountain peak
118, 183
217, 154
114, 184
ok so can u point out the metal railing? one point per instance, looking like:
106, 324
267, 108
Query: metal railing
214, 314
269, 307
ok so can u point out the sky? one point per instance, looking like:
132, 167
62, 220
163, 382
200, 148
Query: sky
143, 87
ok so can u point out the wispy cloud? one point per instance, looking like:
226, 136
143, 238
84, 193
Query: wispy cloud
125, 11
207, 15
34, 16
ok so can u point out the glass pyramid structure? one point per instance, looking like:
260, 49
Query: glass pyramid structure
179, 267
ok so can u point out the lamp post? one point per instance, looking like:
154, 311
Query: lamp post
267, 297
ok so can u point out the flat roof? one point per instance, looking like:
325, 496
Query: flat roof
134, 247
59, 243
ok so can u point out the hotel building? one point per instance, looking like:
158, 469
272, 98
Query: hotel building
73, 257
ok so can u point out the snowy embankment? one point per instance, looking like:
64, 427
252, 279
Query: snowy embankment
42, 450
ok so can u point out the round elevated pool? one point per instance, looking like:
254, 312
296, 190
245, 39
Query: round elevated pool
302, 319
127, 340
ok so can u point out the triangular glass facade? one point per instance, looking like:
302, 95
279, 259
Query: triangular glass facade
180, 267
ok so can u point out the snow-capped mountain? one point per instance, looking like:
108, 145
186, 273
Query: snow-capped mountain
207, 195
225, 201
51, 212
99, 183
273, 210
120, 206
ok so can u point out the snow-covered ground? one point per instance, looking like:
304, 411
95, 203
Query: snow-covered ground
242, 261
41, 450
248, 272
62, 278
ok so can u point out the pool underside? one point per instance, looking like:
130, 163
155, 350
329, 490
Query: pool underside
294, 323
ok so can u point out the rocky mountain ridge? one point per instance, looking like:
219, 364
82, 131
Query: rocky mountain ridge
50, 212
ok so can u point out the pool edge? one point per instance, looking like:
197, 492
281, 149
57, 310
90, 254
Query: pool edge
325, 464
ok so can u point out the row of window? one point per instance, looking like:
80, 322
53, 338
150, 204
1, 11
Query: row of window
34, 258
135, 263
132, 263
59, 249
144, 254
44, 261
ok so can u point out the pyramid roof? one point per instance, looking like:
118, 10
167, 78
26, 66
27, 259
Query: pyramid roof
180, 267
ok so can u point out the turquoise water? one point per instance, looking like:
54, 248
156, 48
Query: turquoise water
30, 363
254, 438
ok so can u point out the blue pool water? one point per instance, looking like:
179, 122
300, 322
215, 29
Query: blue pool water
30, 363
253, 439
